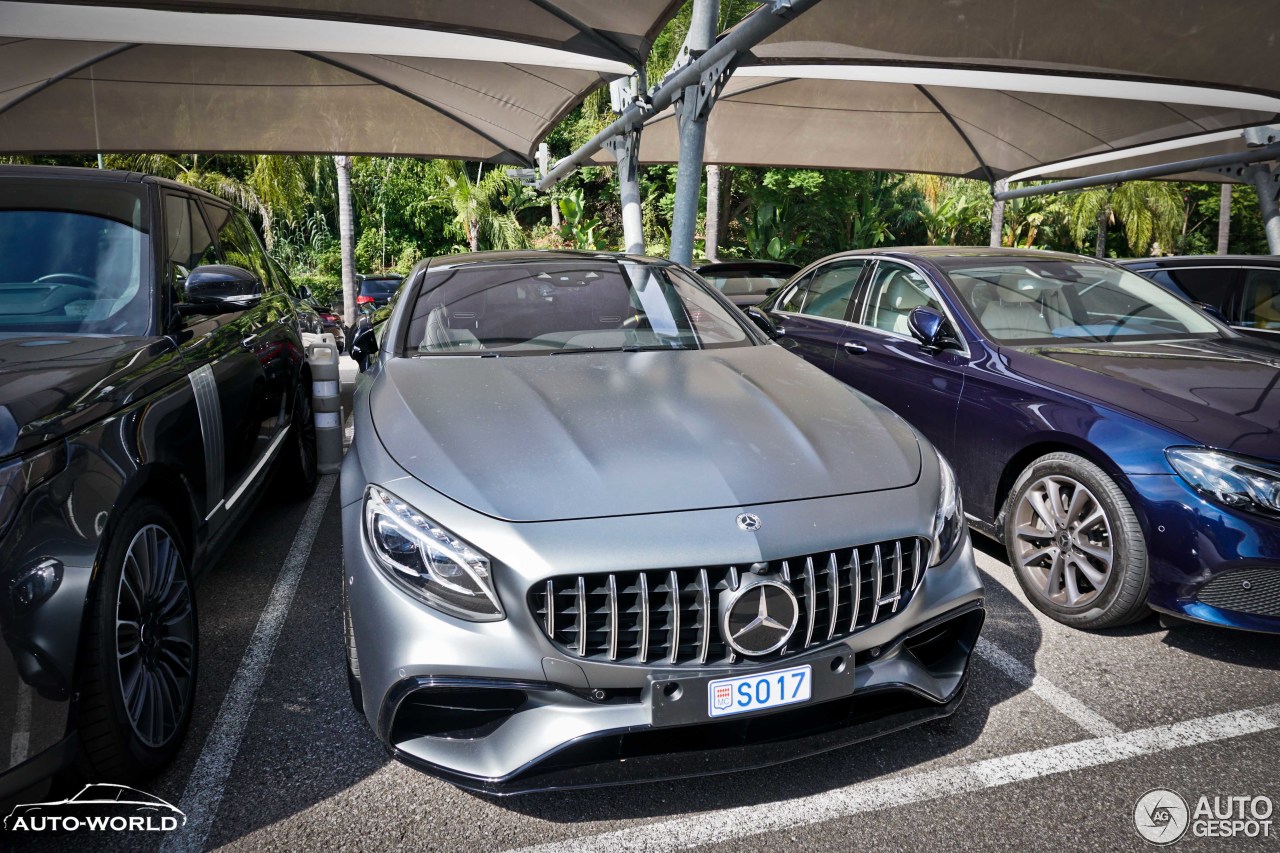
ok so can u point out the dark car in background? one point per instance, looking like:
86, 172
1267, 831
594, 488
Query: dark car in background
1243, 289
598, 529
747, 282
1123, 445
152, 370
331, 323
375, 291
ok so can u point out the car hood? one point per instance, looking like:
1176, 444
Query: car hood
51, 385
587, 435
1222, 393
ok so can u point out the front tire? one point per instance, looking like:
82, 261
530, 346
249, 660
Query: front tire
1075, 544
353, 661
139, 651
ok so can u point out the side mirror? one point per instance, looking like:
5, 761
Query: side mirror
1212, 311
363, 344
220, 289
766, 324
304, 292
930, 328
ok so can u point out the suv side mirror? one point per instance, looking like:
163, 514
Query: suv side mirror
363, 343
304, 292
220, 289
930, 328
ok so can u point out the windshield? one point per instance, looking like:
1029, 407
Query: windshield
1028, 301
72, 259
380, 288
743, 283
548, 308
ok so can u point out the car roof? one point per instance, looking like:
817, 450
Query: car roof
746, 265
1204, 261
525, 256
81, 174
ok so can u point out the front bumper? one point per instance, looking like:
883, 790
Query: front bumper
551, 720
1209, 563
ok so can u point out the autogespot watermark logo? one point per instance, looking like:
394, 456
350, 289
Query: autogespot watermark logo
98, 808
1164, 817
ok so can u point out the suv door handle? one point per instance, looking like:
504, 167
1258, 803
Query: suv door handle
854, 347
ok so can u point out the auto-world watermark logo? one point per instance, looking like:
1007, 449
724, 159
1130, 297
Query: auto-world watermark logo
98, 808
1164, 817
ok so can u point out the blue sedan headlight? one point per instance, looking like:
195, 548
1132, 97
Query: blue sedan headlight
948, 521
427, 561
1236, 481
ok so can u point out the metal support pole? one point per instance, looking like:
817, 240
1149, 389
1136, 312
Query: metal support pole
691, 117
626, 150
712, 243
544, 166
763, 22
1201, 164
997, 214
1264, 181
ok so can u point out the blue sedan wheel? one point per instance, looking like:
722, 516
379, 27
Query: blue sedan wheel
1075, 544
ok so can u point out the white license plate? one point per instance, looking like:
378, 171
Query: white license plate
727, 696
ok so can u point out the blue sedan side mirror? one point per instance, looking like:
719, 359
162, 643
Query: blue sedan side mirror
928, 326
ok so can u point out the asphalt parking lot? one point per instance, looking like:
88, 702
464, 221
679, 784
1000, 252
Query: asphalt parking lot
1059, 736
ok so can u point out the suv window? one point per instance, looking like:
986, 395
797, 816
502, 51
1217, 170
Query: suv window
1210, 285
74, 258
188, 243
894, 292
1260, 302
240, 246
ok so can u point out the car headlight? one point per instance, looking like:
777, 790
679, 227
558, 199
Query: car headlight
948, 521
1236, 481
428, 561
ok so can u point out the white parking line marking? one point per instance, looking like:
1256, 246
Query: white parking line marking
208, 778
878, 794
1062, 701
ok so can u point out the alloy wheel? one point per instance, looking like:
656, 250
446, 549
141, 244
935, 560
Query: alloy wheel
1063, 545
155, 642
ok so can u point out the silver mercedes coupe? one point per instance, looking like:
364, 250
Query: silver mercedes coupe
599, 528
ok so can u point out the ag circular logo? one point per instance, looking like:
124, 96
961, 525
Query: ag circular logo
749, 522
759, 617
1161, 816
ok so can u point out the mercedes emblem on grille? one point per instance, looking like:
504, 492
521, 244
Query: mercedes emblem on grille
749, 522
758, 617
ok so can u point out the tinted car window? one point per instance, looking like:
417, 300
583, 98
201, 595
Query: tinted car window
1210, 285
1053, 301
793, 300
188, 242
895, 291
74, 259
744, 283
831, 289
240, 246
379, 288
548, 308
1260, 302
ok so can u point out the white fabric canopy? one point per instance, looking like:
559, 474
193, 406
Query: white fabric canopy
483, 80
989, 89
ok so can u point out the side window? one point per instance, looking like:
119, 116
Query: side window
1210, 285
831, 289
1260, 305
240, 246
187, 240
793, 301
894, 291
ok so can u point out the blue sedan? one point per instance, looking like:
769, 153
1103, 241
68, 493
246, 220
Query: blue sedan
1123, 445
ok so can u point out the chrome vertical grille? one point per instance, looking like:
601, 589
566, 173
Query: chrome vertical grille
671, 617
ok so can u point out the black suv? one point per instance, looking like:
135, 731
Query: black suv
1244, 290
151, 371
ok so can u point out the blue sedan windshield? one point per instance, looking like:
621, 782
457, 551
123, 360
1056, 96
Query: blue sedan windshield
1028, 301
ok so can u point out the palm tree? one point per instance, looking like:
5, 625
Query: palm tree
482, 208
346, 235
1150, 212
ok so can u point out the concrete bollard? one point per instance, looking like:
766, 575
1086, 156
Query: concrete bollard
326, 404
